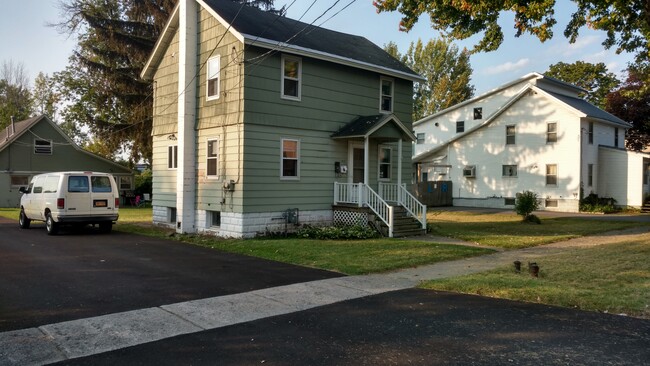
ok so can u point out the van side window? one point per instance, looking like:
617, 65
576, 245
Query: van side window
78, 184
51, 184
38, 185
101, 184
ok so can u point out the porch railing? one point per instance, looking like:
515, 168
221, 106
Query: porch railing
398, 193
363, 196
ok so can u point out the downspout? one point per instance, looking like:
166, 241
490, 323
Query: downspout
186, 173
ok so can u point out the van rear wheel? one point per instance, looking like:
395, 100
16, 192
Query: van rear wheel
50, 225
23, 221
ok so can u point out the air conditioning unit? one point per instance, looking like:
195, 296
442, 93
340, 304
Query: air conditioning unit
469, 171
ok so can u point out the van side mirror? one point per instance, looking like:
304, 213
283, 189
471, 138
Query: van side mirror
22, 189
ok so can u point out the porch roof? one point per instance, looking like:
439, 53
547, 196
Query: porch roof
365, 126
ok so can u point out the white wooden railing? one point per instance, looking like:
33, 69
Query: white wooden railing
363, 196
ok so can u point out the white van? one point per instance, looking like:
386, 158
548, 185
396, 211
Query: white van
70, 198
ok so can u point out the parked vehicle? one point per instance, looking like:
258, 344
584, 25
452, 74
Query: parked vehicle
70, 198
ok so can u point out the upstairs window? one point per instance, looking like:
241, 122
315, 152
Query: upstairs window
386, 95
290, 159
616, 137
551, 132
591, 133
509, 171
172, 156
478, 113
213, 77
212, 158
291, 75
460, 126
420, 138
510, 135
43, 147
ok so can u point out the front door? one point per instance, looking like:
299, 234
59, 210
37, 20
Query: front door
357, 165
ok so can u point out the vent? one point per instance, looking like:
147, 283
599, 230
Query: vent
469, 171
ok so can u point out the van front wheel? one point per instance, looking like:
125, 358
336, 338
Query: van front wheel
51, 226
23, 221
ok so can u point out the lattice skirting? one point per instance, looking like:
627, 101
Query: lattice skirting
342, 217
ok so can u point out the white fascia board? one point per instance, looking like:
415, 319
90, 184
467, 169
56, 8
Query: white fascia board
302, 51
532, 75
165, 36
397, 121
487, 121
223, 22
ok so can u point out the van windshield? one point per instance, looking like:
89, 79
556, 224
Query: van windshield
78, 184
101, 184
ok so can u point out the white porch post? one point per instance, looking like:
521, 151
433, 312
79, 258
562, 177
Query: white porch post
399, 170
185, 173
366, 160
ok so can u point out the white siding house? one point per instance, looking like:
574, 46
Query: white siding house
534, 133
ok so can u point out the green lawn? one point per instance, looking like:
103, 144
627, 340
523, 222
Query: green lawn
506, 230
614, 278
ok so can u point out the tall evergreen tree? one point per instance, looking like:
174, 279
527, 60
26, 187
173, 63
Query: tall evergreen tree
447, 72
101, 85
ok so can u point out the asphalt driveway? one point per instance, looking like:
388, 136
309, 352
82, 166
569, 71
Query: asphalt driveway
49, 279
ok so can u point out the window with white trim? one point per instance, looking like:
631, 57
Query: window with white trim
460, 126
125, 182
551, 132
172, 156
18, 181
509, 171
291, 77
420, 138
290, 159
386, 95
591, 133
615, 136
212, 158
551, 174
43, 147
213, 77
214, 218
510, 135
384, 162
590, 175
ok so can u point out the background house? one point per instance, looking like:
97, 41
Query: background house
246, 113
536, 134
37, 145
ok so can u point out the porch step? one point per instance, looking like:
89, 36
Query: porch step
646, 207
403, 224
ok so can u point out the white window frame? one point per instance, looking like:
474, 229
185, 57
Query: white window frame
298, 80
14, 177
550, 133
590, 175
216, 75
514, 135
420, 138
208, 158
172, 157
615, 136
45, 149
460, 126
380, 148
509, 167
125, 182
210, 217
590, 133
381, 94
282, 159
556, 175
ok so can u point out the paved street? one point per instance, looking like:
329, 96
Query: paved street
285, 314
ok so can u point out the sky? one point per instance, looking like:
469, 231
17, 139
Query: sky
26, 38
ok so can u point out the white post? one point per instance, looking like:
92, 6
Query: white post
366, 160
186, 171
390, 221
399, 171
360, 194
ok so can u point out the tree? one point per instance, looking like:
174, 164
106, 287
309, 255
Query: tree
631, 102
15, 97
45, 96
447, 72
101, 85
627, 22
595, 78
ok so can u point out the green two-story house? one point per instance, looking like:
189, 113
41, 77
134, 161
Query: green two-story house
262, 122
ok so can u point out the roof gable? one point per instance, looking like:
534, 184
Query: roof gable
268, 30
365, 126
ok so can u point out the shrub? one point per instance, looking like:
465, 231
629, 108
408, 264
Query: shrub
593, 203
336, 232
526, 203
532, 219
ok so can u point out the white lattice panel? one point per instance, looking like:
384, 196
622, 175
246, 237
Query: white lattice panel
350, 218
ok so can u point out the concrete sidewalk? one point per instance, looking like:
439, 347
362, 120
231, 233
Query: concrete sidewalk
84, 337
